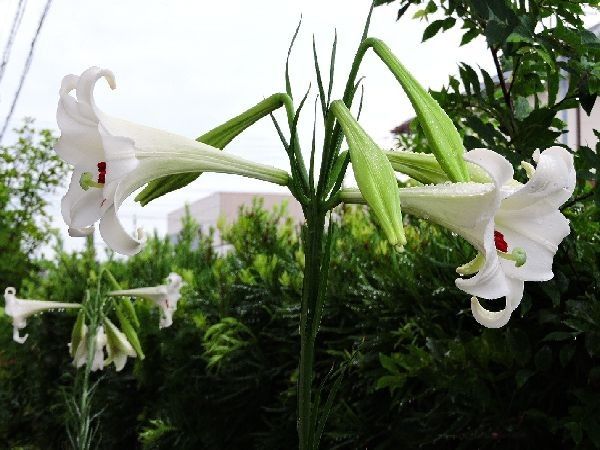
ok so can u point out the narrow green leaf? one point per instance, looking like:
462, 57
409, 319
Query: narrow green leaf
331, 68
288, 86
319, 79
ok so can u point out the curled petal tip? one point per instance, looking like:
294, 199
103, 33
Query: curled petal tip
17, 337
69, 82
489, 319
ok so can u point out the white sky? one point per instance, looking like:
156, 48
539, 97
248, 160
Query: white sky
187, 66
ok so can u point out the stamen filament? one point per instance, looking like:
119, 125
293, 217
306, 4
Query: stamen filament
472, 266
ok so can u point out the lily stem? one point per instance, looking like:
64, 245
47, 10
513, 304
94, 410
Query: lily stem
314, 256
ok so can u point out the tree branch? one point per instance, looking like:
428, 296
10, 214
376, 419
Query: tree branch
505, 91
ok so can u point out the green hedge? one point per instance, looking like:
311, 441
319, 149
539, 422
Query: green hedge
414, 369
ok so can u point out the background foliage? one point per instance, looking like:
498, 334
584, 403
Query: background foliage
29, 172
412, 368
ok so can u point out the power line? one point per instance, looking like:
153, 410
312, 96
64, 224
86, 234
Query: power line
11, 36
26, 67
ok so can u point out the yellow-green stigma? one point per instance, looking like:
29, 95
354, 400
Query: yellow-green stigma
87, 181
518, 255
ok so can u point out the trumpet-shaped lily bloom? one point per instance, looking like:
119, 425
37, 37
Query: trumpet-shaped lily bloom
20, 309
516, 228
112, 158
80, 354
117, 346
163, 296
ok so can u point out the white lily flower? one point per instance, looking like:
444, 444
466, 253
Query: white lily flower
117, 346
113, 158
516, 228
163, 296
80, 355
20, 309
529, 224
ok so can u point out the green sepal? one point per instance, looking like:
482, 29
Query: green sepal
218, 137
374, 174
446, 144
77, 333
129, 331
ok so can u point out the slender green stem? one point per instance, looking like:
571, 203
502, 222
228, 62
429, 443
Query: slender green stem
312, 281
84, 433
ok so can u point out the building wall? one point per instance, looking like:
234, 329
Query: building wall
209, 210
581, 129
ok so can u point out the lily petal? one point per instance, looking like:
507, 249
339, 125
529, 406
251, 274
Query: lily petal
497, 319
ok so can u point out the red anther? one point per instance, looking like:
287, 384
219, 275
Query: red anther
500, 242
101, 172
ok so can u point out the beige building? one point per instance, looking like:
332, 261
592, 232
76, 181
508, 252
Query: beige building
209, 210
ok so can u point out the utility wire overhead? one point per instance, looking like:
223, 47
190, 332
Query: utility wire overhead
11, 36
25, 68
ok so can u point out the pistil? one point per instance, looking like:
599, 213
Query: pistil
87, 181
518, 255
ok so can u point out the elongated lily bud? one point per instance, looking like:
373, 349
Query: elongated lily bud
117, 345
218, 137
374, 174
441, 133
129, 309
129, 332
425, 168
78, 333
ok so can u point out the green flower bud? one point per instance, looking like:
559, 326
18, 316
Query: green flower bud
425, 168
78, 333
129, 331
446, 144
374, 174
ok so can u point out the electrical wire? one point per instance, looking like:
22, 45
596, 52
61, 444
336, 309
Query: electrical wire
11, 36
25, 68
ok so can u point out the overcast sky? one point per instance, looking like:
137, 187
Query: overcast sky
187, 66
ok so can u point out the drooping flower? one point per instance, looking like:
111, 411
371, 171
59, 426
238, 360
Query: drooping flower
80, 354
163, 296
117, 346
20, 309
112, 158
516, 228
528, 227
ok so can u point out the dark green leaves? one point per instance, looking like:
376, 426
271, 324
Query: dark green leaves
437, 25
